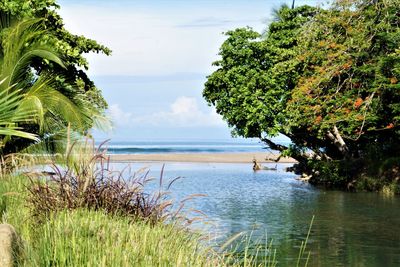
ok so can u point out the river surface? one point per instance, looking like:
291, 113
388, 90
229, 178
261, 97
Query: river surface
349, 229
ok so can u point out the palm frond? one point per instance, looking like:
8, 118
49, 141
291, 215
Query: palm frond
54, 103
11, 115
24, 43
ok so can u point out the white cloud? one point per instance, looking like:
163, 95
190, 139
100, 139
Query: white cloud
118, 116
183, 112
184, 105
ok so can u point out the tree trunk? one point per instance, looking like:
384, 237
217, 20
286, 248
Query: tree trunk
338, 141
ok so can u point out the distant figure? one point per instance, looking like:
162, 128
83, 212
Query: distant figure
257, 166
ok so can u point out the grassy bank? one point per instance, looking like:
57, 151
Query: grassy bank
83, 238
87, 238
93, 238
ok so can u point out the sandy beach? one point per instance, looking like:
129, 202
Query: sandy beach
239, 157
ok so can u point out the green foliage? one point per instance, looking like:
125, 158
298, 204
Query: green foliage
71, 47
11, 114
327, 79
88, 238
248, 89
350, 73
45, 63
333, 174
52, 110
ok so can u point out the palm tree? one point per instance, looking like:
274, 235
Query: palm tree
11, 114
36, 91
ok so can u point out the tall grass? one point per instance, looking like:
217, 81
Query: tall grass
242, 250
84, 180
89, 238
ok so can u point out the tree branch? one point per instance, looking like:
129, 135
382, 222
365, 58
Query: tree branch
338, 141
274, 146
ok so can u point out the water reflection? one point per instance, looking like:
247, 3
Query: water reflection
350, 229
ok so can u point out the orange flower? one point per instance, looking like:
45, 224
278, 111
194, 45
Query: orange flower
358, 102
393, 80
347, 65
390, 126
318, 119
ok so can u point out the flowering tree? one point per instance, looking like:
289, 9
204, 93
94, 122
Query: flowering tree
327, 79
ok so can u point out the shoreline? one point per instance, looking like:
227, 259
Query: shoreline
239, 157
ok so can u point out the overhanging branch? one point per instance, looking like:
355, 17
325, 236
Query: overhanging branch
274, 146
300, 157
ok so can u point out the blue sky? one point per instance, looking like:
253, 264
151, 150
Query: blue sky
162, 52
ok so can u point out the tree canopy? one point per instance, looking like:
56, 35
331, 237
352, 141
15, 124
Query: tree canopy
326, 78
46, 64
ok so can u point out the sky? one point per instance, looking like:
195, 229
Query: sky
162, 53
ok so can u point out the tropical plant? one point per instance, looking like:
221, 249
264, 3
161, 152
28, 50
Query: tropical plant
71, 47
45, 63
23, 45
255, 76
11, 115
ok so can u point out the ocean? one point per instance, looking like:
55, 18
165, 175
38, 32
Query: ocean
191, 146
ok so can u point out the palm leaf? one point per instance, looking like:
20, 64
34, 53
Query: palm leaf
54, 103
23, 44
11, 115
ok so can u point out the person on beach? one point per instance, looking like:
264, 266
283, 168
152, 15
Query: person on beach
256, 166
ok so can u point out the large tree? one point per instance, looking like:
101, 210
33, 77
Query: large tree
255, 76
47, 63
327, 79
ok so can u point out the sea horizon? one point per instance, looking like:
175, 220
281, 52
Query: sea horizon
167, 146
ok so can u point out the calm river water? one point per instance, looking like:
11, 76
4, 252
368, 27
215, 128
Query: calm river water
350, 229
